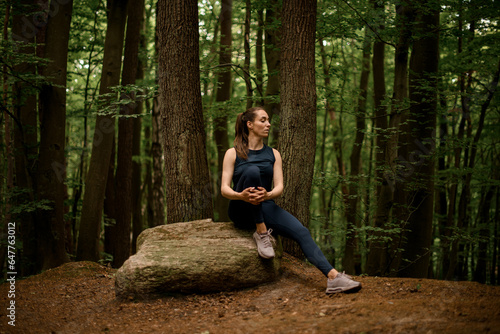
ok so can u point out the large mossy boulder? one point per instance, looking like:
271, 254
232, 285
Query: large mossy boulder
198, 256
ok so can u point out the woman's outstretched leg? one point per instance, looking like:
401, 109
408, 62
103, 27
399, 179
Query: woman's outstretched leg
287, 225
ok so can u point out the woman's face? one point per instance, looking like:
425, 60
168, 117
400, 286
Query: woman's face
260, 125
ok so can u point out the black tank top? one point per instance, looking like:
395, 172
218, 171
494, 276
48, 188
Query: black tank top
264, 159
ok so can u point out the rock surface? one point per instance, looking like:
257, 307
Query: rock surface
198, 256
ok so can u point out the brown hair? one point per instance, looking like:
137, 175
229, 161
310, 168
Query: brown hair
241, 131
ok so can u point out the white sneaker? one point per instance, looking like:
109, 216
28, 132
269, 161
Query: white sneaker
264, 245
342, 283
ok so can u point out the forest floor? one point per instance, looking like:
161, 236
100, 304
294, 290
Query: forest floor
79, 297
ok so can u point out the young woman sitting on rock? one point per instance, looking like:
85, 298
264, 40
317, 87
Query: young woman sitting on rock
254, 168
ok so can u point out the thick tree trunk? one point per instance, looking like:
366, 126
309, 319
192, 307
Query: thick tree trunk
223, 94
157, 199
51, 169
272, 52
7, 169
422, 119
297, 141
189, 191
95, 183
25, 133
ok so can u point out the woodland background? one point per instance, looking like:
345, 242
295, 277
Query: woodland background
116, 115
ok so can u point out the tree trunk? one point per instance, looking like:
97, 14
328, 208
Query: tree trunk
137, 215
326, 194
352, 262
95, 183
157, 177
124, 168
377, 247
156, 183
297, 141
78, 189
109, 207
51, 169
398, 131
223, 95
25, 133
421, 141
189, 192
7, 169
258, 57
272, 52
494, 275
246, 67
484, 223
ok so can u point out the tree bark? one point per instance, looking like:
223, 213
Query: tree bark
51, 168
484, 233
95, 183
377, 248
297, 140
421, 140
25, 132
189, 191
397, 132
246, 66
223, 94
156, 183
258, 57
124, 168
6, 182
272, 51
352, 262
137, 215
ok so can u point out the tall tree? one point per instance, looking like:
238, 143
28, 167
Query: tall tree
223, 94
297, 140
350, 261
137, 215
246, 44
103, 141
272, 52
124, 168
156, 184
377, 254
421, 139
51, 168
397, 132
25, 130
189, 194
258, 56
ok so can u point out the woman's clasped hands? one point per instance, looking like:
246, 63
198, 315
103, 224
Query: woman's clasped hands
254, 195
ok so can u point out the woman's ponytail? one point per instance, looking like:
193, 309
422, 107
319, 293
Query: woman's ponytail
241, 131
241, 136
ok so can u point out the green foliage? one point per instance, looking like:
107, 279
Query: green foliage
469, 49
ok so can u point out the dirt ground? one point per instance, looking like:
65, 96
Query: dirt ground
79, 298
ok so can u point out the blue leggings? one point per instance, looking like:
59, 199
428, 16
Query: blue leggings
246, 215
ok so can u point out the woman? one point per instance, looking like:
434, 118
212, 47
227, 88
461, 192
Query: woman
256, 172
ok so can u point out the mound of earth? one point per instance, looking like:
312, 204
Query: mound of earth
79, 297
